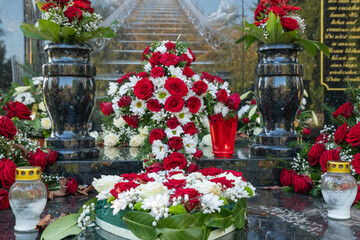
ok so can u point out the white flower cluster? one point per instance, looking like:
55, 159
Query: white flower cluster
7, 149
85, 219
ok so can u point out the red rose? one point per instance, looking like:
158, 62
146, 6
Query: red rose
222, 96
198, 154
122, 187
154, 105
129, 176
172, 123
175, 183
290, 8
132, 121
253, 102
259, 9
83, 5
194, 104
340, 134
4, 199
155, 59
329, 155
211, 171
357, 199
306, 131
192, 167
73, 13
7, 127
172, 173
146, 53
174, 160
175, 143
346, 110
174, 104
154, 168
156, 134
7, 173
51, 156
289, 24
200, 87
144, 178
315, 153
233, 101
37, 158
193, 195
176, 87
353, 137
106, 108
144, 89
59, 1
125, 77
223, 182
124, 101
278, 11
190, 128
17, 109
157, 72
218, 79
192, 54
48, 6
188, 72
322, 138
287, 176
184, 58
169, 59
356, 163
207, 76
215, 117
245, 120
142, 75
170, 46
71, 185
302, 183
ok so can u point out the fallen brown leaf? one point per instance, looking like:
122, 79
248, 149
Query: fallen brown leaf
84, 189
57, 193
43, 223
271, 188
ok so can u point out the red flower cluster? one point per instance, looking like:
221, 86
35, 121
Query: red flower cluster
71, 185
41, 159
301, 183
193, 195
74, 10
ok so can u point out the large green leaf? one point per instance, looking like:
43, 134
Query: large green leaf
104, 32
68, 34
240, 204
88, 203
62, 227
271, 27
50, 28
140, 224
323, 48
239, 218
250, 191
32, 32
221, 220
180, 227
40, 4
245, 95
252, 111
308, 45
37, 124
85, 36
255, 31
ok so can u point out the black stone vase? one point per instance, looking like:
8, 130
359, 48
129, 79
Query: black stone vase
69, 96
278, 93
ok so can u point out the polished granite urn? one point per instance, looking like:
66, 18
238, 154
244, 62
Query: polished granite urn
69, 96
278, 94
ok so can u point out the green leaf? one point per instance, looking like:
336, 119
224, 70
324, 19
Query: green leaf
40, 4
308, 45
88, 203
245, 95
287, 189
140, 224
85, 36
323, 48
250, 191
103, 32
271, 27
252, 111
239, 218
62, 227
68, 34
32, 32
37, 124
242, 39
255, 31
221, 220
50, 28
180, 227
288, 36
205, 233
315, 119
315, 191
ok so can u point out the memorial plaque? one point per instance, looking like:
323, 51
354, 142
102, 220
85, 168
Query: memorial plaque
340, 31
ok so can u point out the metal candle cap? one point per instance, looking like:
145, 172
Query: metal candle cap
28, 173
338, 167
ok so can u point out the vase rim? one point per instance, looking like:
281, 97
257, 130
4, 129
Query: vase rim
278, 46
68, 45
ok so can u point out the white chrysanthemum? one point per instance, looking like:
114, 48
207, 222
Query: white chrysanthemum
151, 189
244, 109
138, 107
46, 123
125, 88
94, 134
159, 82
42, 107
176, 132
211, 203
188, 54
133, 80
225, 86
111, 152
190, 143
38, 80
148, 67
33, 116
119, 122
25, 98
161, 49
111, 140
122, 201
159, 149
177, 72
212, 89
206, 141
159, 116
104, 185
136, 141
184, 116
161, 95
158, 205
143, 131
113, 87
218, 107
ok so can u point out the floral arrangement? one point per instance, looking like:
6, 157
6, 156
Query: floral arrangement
276, 21
335, 143
168, 104
67, 20
15, 148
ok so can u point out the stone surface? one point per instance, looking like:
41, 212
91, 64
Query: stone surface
272, 215
259, 171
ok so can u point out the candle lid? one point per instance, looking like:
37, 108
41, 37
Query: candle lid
338, 167
28, 173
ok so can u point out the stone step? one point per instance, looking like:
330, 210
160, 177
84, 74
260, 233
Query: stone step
146, 14
156, 36
178, 30
149, 24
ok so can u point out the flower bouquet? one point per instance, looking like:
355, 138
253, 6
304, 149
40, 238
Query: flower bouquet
338, 142
68, 21
277, 22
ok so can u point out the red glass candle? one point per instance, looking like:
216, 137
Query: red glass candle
223, 133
